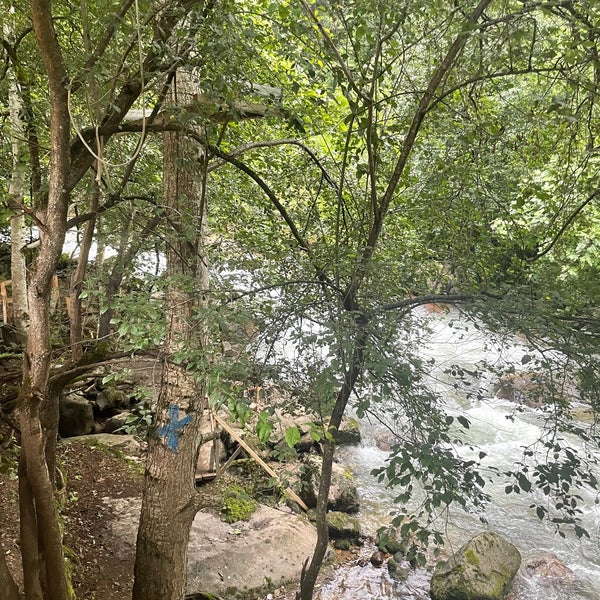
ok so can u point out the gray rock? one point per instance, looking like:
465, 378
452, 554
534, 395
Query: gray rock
546, 566
531, 389
284, 421
385, 439
481, 570
116, 422
111, 397
76, 416
389, 540
343, 495
247, 558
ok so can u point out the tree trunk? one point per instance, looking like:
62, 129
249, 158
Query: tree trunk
75, 316
38, 407
128, 248
8, 588
353, 372
16, 191
169, 501
28, 532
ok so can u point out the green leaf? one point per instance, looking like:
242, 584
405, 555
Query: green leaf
524, 483
463, 421
315, 435
264, 427
292, 436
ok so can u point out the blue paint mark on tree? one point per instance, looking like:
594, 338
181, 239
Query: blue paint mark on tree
170, 431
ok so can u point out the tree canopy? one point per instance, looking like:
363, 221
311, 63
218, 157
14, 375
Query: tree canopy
338, 165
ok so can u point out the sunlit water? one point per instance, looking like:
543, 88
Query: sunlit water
502, 439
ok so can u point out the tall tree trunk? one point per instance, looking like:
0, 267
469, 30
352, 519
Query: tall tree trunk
30, 551
128, 248
169, 501
8, 588
16, 194
38, 407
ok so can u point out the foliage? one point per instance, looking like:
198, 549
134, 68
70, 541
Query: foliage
237, 504
139, 421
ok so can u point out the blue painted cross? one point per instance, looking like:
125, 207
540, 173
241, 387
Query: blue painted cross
170, 431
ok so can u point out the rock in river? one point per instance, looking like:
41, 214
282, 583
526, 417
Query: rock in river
481, 570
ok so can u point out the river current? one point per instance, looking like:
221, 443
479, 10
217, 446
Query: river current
502, 439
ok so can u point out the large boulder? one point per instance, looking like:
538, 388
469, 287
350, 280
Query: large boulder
127, 445
76, 416
232, 561
481, 570
267, 551
343, 494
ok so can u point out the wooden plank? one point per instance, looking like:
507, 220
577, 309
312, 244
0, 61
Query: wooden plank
260, 461
230, 460
5, 299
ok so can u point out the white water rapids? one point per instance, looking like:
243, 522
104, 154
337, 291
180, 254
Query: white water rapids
503, 440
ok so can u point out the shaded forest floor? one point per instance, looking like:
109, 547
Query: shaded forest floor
92, 473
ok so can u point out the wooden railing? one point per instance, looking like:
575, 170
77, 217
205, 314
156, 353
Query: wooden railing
7, 301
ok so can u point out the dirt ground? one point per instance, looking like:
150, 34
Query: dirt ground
91, 473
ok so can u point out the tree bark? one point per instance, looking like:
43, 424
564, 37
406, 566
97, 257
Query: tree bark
38, 408
28, 532
16, 192
168, 506
8, 588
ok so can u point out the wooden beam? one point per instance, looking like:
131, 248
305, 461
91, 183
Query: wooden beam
260, 461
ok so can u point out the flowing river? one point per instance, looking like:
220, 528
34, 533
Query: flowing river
503, 440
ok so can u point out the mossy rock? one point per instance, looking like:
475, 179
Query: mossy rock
397, 571
388, 540
342, 526
481, 570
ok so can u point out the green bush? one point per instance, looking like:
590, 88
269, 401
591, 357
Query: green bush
237, 504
